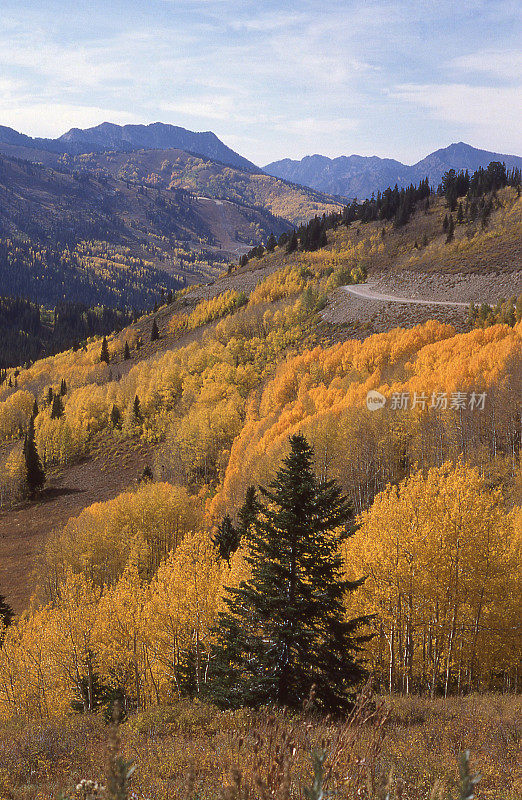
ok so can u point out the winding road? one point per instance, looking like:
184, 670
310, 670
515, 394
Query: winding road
365, 292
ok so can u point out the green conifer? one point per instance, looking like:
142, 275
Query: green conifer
285, 629
35, 475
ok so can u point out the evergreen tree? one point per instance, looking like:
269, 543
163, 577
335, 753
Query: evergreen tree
115, 416
293, 243
285, 629
50, 395
6, 617
126, 352
248, 513
63, 387
57, 407
6, 612
36, 410
271, 243
154, 333
451, 229
147, 475
104, 355
226, 539
35, 475
460, 214
136, 407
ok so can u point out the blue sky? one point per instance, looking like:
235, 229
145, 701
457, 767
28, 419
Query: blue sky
272, 79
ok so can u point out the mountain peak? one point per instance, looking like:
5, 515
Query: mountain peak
126, 138
359, 176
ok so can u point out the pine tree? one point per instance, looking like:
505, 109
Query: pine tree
36, 410
451, 229
285, 629
136, 407
115, 416
104, 355
50, 395
35, 475
6, 612
227, 539
6, 617
63, 387
460, 214
154, 333
293, 243
126, 352
248, 513
271, 243
57, 407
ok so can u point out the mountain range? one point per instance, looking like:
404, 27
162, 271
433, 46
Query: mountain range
359, 176
127, 138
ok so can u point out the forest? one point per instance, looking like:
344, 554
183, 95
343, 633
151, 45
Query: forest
284, 544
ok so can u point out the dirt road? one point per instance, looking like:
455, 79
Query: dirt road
366, 292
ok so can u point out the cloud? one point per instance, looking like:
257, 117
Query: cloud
53, 119
505, 65
209, 107
493, 113
310, 126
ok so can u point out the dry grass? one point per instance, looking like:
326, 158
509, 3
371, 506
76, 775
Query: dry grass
400, 747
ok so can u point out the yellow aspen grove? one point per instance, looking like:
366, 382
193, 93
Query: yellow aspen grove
182, 608
438, 550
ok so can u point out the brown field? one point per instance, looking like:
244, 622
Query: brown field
406, 748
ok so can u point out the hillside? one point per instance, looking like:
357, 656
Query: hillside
102, 239
217, 344
359, 176
177, 169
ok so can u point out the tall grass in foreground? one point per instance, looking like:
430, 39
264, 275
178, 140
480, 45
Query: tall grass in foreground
388, 749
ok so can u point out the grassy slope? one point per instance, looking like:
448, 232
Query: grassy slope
23, 532
410, 746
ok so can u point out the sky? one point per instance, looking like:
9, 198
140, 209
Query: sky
272, 79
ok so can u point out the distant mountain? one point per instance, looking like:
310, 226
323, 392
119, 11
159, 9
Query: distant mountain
127, 138
359, 176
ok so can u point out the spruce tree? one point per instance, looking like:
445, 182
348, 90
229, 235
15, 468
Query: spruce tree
63, 387
136, 408
6, 612
285, 629
126, 352
248, 513
227, 539
271, 243
36, 410
35, 475
6, 617
451, 229
57, 407
104, 355
293, 243
154, 333
115, 416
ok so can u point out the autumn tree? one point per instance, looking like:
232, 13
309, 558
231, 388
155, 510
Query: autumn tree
285, 629
35, 475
